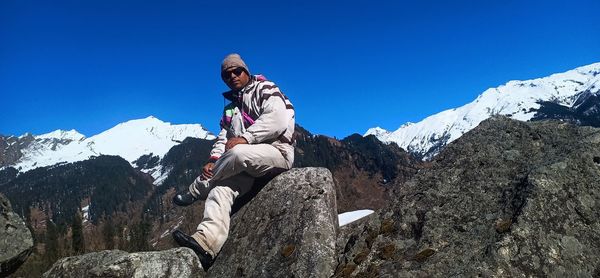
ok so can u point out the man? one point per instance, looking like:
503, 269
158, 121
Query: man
255, 140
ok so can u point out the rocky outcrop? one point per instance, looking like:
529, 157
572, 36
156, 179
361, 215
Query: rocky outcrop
11, 148
16, 242
176, 262
287, 229
506, 199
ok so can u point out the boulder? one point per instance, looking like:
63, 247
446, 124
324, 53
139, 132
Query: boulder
288, 229
176, 262
16, 242
509, 199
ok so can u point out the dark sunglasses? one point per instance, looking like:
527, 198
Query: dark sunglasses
227, 74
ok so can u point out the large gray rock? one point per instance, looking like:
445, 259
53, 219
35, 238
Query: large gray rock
16, 242
80, 266
508, 199
176, 262
287, 230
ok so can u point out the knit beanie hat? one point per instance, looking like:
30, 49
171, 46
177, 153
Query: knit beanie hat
233, 61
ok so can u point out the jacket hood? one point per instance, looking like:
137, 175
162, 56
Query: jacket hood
233, 94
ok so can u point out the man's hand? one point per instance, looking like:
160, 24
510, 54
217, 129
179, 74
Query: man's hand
207, 171
234, 141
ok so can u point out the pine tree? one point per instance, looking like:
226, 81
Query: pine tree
52, 252
108, 234
122, 237
77, 242
140, 234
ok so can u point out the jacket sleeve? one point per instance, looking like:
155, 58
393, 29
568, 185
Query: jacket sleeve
272, 122
219, 146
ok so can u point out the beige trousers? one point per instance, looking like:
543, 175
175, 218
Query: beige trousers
233, 174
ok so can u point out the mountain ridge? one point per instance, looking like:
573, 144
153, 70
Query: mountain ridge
518, 99
130, 140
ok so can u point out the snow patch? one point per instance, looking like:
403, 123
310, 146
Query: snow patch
62, 135
24, 135
165, 233
86, 214
351, 216
377, 131
159, 177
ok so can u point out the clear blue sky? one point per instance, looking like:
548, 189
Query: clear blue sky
346, 65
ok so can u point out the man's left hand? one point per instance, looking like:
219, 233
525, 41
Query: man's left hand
232, 142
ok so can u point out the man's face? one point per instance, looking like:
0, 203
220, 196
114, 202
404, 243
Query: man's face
235, 78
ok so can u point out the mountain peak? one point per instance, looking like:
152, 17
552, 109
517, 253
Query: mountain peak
518, 99
62, 135
377, 131
593, 69
26, 134
150, 120
129, 140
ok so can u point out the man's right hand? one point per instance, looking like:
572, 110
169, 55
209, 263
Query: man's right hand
207, 171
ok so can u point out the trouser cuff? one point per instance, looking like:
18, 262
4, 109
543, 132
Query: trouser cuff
199, 188
199, 237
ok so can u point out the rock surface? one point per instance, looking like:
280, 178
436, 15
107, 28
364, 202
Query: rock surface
507, 199
287, 230
16, 242
176, 262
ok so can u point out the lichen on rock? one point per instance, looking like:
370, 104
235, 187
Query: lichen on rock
288, 229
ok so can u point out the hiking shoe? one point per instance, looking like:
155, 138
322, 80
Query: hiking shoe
187, 241
183, 199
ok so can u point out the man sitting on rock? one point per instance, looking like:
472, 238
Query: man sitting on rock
255, 140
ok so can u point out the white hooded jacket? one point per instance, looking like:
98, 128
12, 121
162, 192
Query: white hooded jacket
261, 114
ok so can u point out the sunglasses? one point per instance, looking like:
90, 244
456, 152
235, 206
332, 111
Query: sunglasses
227, 74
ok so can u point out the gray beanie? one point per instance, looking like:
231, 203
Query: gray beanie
233, 61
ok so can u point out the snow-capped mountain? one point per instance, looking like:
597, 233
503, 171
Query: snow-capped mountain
519, 100
129, 140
